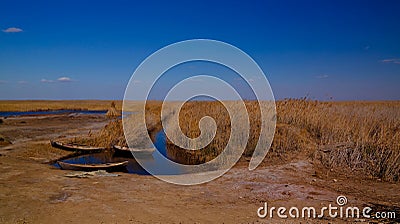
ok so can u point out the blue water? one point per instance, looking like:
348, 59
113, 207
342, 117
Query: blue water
127, 113
107, 157
160, 165
47, 112
160, 143
155, 161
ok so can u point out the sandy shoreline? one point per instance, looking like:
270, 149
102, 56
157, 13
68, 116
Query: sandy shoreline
34, 192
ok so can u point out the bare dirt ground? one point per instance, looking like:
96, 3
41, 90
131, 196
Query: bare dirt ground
32, 191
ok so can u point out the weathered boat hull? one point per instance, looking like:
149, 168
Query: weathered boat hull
92, 167
76, 148
127, 152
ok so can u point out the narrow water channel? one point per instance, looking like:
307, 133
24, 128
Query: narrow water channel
155, 162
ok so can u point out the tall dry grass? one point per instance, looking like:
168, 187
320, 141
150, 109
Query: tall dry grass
361, 136
357, 136
230, 134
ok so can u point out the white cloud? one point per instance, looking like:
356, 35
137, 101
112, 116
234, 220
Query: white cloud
61, 79
391, 60
64, 79
13, 30
3, 82
22, 82
46, 81
322, 76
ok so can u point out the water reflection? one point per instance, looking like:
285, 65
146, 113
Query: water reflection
154, 162
107, 157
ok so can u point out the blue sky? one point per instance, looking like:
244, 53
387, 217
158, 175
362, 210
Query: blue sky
347, 50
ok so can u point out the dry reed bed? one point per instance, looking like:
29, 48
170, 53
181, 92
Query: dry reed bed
361, 136
43, 105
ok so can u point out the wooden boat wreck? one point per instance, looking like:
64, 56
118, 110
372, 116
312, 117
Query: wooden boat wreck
92, 167
125, 151
76, 147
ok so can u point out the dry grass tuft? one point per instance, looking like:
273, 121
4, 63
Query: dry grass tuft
111, 134
113, 112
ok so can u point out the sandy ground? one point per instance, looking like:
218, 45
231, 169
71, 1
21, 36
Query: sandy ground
32, 191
